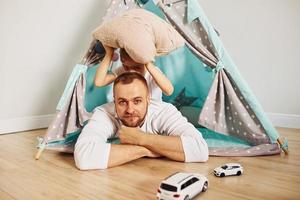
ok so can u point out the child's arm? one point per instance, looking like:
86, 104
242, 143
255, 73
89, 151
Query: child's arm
161, 80
102, 78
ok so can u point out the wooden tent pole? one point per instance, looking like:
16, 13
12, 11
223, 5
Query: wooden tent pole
281, 144
40, 151
38, 154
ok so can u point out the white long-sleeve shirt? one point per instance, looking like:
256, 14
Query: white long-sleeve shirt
92, 150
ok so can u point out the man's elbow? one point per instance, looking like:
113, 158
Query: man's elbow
196, 149
203, 153
203, 158
87, 157
83, 164
80, 162
199, 155
80, 165
199, 158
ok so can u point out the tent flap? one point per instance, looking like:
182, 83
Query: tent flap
206, 81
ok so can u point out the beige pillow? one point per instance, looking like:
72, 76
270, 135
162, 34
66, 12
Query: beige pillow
141, 33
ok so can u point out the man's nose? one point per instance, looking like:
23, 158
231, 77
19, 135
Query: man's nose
130, 108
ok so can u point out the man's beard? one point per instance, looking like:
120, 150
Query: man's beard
130, 123
139, 122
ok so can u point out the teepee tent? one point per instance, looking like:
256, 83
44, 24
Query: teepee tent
209, 90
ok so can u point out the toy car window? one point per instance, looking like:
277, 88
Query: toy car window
189, 182
194, 180
224, 167
183, 186
168, 187
186, 184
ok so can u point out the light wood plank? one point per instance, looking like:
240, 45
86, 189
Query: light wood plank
55, 176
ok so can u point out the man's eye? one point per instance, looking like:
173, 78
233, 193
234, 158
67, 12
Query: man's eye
137, 102
122, 103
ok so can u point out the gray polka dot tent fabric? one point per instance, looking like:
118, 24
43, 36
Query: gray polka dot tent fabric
209, 90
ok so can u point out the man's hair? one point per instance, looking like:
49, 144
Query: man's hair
129, 77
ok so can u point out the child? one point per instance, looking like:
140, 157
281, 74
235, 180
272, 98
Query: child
157, 81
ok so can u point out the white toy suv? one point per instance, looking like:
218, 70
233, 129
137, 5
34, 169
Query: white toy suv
229, 169
182, 186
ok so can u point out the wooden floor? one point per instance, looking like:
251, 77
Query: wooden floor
55, 176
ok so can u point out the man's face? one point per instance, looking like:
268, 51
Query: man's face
131, 102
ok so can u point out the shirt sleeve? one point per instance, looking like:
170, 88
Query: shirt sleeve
173, 123
91, 150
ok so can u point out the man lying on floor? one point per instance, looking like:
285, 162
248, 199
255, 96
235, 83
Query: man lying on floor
145, 129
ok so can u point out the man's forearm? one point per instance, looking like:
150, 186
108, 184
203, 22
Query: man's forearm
168, 146
120, 154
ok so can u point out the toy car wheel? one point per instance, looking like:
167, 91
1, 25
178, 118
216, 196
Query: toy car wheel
222, 175
238, 173
205, 186
186, 198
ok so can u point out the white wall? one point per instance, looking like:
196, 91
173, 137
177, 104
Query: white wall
41, 41
263, 38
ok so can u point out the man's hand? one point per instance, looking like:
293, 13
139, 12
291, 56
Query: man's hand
152, 154
130, 135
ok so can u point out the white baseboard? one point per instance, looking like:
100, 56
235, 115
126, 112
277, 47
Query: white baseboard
25, 123
284, 120
43, 121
